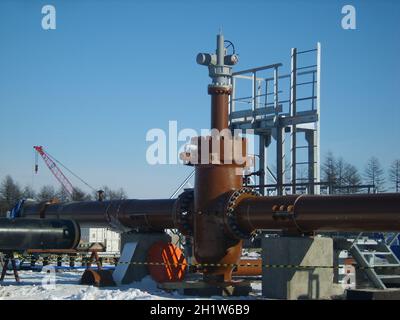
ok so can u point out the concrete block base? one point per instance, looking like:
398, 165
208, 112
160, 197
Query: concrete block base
373, 294
291, 283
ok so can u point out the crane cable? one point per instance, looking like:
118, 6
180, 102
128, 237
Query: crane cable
74, 174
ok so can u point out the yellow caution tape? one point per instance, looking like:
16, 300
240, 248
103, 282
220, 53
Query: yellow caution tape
199, 265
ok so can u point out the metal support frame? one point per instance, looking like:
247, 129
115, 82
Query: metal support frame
185, 183
280, 159
262, 162
279, 116
9, 257
310, 136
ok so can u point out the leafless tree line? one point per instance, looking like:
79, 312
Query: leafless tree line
337, 172
11, 192
334, 170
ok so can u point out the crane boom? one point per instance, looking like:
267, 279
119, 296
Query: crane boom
55, 170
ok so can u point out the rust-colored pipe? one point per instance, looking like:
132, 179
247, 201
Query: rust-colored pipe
309, 213
219, 107
248, 268
211, 244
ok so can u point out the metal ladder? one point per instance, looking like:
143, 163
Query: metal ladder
382, 267
310, 79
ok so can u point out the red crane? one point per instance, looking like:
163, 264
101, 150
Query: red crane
55, 170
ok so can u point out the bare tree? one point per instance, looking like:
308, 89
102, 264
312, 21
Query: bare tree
341, 176
79, 195
351, 178
29, 193
340, 169
301, 177
118, 194
347, 176
394, 174
302, 174
10, 193
374, 174
46, 193
329, 172
63, 195
110, 194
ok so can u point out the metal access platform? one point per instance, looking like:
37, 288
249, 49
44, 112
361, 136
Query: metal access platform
281, 107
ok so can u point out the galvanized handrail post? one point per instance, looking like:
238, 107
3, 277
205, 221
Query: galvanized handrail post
293, 113
254, 96
276, 90
317, 151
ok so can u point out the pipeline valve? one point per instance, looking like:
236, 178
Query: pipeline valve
219, 63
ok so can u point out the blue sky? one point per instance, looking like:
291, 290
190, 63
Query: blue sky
91, 89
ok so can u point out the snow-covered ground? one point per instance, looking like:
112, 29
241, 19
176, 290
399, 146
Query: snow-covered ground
251, 254
65, 285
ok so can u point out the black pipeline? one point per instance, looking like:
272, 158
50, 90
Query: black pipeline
22, 234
